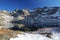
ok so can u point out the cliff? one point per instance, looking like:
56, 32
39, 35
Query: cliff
36, 18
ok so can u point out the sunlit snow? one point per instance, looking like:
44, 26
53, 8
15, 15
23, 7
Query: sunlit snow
26, 36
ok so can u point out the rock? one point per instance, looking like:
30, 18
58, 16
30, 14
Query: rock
5, 19
26, 12
37, 18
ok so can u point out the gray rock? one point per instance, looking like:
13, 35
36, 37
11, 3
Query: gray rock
39, 17
5, 19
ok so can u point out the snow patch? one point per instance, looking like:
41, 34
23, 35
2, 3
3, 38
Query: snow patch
27, 36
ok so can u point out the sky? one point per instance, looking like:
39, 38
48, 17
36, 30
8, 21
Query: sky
10, 5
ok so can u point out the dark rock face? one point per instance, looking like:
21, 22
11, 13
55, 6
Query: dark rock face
37, 18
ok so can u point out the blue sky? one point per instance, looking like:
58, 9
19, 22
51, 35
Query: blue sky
28, 4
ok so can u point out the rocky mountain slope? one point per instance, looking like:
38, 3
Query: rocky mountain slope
36, 18
5, 19
30, 19
40, 21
